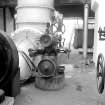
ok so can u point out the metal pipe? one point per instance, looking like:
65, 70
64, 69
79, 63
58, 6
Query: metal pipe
85, 30
14, 24
4, 18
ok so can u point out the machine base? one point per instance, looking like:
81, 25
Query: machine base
52, 83
13, 87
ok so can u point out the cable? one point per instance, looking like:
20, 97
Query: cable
27, 59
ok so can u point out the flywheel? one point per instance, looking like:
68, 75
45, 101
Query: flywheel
9, 60
100, 73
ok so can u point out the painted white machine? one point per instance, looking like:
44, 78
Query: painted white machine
24, 39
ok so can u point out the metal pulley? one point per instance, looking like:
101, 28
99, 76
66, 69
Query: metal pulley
9, 60
46, 67
100, 73
45, 40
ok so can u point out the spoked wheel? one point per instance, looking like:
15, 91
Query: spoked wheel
100, 73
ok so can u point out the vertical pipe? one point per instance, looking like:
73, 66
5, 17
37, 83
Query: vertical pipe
14, 24
85, 30
4, 18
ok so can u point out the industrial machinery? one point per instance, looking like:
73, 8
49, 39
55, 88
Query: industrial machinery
49, 74
38, 52
38, 38
9, 66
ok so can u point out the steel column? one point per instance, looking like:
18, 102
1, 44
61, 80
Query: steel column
85, 30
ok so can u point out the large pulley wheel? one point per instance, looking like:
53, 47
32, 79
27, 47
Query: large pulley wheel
100, 73
9, 60
46, 68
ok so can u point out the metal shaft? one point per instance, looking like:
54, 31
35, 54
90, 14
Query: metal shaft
85, 30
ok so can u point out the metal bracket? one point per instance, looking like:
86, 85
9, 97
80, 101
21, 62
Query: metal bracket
101, 33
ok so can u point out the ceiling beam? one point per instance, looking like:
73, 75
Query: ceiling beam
70, 2
8, 3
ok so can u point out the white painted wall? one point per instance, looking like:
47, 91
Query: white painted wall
98, 7
70, 25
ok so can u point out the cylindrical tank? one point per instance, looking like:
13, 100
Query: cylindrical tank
26, 38
34, 13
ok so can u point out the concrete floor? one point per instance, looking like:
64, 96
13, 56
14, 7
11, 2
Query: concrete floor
80, 88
